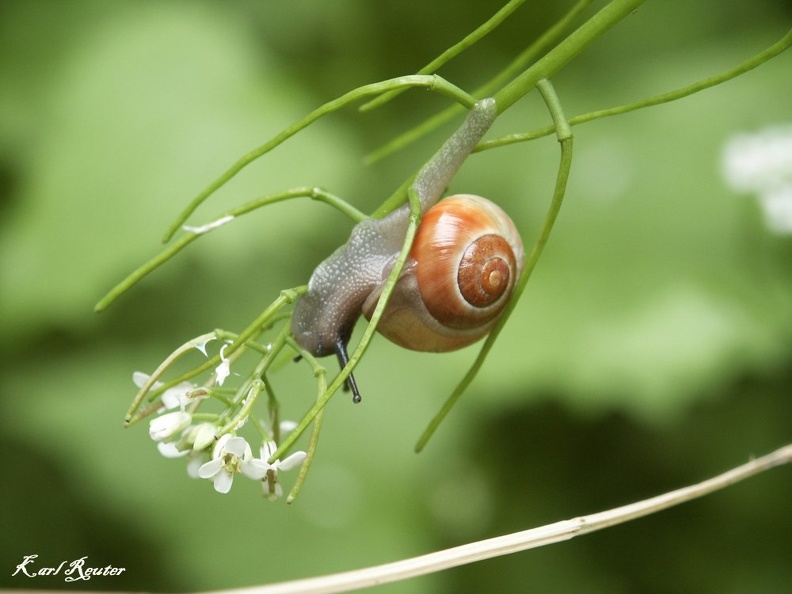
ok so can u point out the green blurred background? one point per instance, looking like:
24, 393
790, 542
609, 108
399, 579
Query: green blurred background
652, 349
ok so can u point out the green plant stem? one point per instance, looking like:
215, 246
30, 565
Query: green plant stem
452, 52
777, 48
368, 333
554, 60
570, 47
564, 132
253, 392
430, 82
320, 373
159, 372
256, 376
518, 65
169, 252
286, 297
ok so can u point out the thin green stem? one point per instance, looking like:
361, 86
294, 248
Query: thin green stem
194, 233
247, 405
430, 82
368, 333
565, 51
143, 270
777, 48
262, 322
320, 373
160, 371
519, 64
452, 52
273, 409
564, 133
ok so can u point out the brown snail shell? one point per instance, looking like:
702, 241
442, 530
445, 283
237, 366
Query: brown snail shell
464, 263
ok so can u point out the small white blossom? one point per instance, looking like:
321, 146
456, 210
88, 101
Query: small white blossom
287, 427
224, 369
761, 163
168, 425
272, 487
194, 463
201, 436
170, 449
231, 455
174, 397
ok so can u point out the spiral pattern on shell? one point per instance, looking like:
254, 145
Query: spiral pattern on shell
466, 258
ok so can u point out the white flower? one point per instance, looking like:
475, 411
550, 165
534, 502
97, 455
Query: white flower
170, 449
287, 427
201, 436
175, 397
166, 426
271, 486
224, 369
231, 455
194, 463
761, 164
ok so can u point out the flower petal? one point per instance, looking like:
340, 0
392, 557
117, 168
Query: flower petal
168, 425
194, 464
223, 482
255, 468
238, 447
202, 436
177, 396
140, 378
291, 461
211, 468
220, 445
267, 449
224, 369
169, 449
287, 427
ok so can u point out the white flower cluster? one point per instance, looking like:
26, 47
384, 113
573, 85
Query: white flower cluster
213, 457
761, 164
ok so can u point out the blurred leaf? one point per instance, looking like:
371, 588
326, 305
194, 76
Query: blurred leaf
147, 106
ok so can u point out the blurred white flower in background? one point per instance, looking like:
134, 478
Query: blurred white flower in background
760, 163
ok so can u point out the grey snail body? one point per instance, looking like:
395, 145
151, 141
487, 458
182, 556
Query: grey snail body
348, 283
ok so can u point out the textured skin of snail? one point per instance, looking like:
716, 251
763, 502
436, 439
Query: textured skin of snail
463, 265
323, 318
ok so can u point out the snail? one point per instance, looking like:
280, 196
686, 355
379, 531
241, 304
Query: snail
348, 283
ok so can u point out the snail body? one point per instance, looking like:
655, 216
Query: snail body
349, 282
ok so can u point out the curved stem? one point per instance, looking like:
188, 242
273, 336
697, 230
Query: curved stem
256, 386
564, 133
519, 64
430, 82
559, 56
452, 52
780, 46
160, 371
263, 321
193, 233
320, 373
520, 541
427, 188
368, 333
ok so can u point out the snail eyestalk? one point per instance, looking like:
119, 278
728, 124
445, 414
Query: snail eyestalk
343, 360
